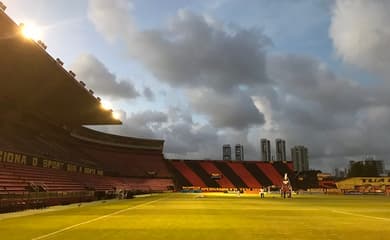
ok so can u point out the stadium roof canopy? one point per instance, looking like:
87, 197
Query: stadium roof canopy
33, 81
91, 135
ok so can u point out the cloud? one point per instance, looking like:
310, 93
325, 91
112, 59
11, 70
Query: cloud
148, 94
307, 79
195, 52
191, 51
97, 77
111, 18
144, 124
183, 137
338, 119
228, 78
236, 110
361, 34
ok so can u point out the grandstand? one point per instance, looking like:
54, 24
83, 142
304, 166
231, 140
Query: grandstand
47, 156
228, 175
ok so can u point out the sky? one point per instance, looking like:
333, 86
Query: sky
203, 73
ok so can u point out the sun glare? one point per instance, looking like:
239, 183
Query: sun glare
32, 31
106, 105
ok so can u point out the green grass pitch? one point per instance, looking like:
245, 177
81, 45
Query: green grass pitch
207, 216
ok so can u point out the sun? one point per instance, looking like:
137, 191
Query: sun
31, 31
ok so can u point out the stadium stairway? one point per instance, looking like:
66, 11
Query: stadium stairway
282, 168
270, 172
210, 168
290, 165
244, 174
180, 180
258, 174
206, 178
194, 179
229, 173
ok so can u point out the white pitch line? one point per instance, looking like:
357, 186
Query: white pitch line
95, 219
361, 215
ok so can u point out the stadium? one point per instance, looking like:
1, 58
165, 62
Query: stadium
62, 180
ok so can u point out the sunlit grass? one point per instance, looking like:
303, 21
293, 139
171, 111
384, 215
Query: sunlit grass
211, 216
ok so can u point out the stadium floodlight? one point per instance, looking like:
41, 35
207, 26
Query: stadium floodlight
42, 44
116, 115
105, 105
72, 73
2, 6
59, 61
31, 31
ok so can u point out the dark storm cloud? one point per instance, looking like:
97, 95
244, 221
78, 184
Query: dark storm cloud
97, 77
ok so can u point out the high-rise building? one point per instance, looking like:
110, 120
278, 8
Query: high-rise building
299, 156
377, 164
239, 151
226, 152
265, 146
340, 172
280, 149
367, 168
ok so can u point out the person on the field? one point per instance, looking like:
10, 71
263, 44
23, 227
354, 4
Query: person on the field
238, 192
261, 193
